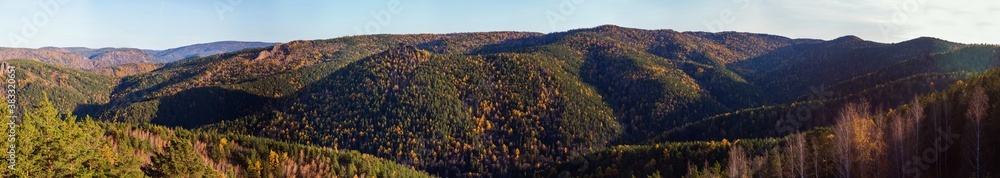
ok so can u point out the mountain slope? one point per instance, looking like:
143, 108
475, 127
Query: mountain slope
126, 69
457, 103
271, 73
942, 123
794, 69
72, 91
887, 88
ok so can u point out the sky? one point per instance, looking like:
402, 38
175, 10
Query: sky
162, 24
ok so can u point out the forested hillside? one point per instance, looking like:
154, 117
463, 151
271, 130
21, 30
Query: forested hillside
606, 101
71, 90
125, 70
945, 133
578, 72
885, 88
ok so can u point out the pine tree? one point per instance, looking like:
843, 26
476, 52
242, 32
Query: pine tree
49, 146
176, 160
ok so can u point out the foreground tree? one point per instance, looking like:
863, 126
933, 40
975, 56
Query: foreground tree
50, 145
739, 163
796, 152
843, 145
978, 106
859, 142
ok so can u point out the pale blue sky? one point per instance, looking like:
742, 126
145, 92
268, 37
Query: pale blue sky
160, 24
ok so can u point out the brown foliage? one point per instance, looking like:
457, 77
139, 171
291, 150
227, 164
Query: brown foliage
860, 148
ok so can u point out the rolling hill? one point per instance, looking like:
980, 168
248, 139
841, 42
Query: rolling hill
501, 104
87, 58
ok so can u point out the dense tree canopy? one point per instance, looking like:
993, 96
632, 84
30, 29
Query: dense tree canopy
605, 101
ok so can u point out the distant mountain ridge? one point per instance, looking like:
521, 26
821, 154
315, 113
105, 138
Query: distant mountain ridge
56, 57
88, 58
204, 49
